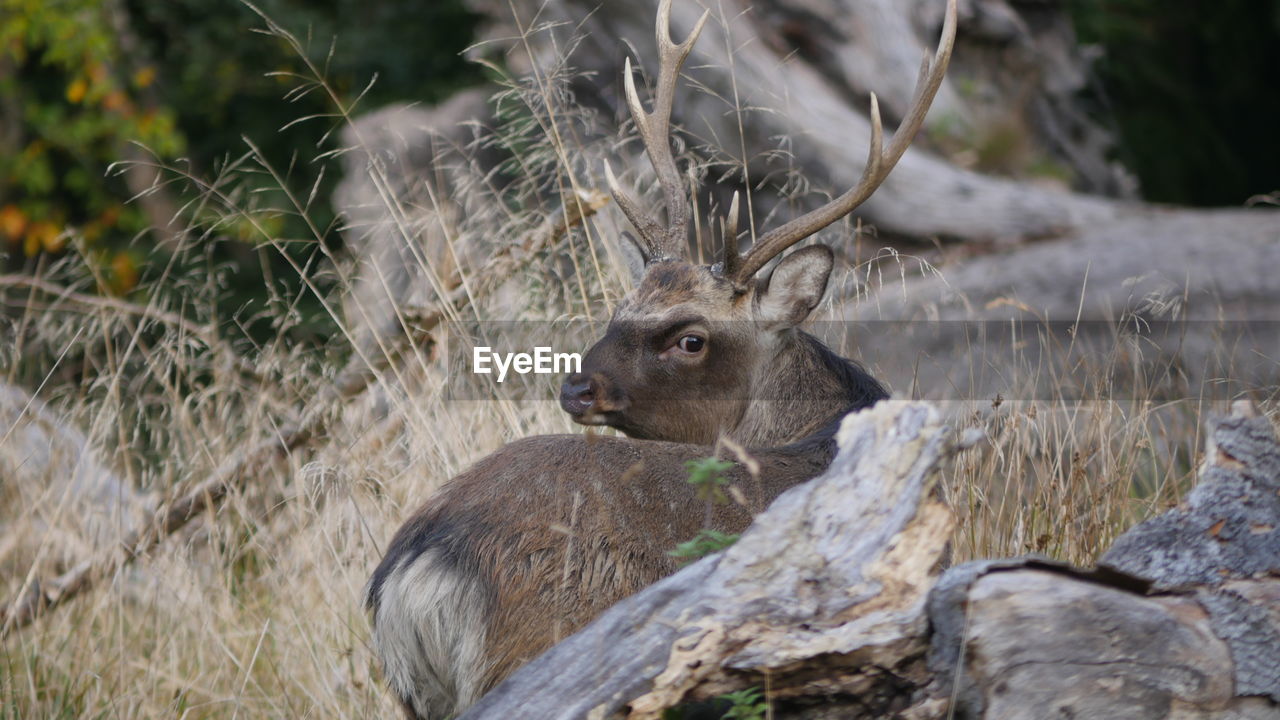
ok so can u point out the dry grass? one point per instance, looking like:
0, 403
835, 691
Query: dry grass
254, 610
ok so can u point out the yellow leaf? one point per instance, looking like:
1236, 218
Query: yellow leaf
43, 235
13, 222
144, 77
125, 272
76, 90
116, 101
54, 241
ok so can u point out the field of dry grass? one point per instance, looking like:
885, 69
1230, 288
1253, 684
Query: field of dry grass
253, 609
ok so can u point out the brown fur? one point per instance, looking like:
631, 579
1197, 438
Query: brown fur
546, 533
557, 541
761, 381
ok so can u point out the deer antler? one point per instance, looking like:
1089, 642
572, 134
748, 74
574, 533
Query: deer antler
879, 163
654, 128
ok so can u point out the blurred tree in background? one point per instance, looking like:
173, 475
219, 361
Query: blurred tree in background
1191, 88
184, 83
69, 104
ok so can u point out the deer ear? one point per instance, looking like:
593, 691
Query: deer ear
795, 287
633, 255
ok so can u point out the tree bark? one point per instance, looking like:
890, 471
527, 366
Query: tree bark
805, 87
788, 102
1185, 294
825, 593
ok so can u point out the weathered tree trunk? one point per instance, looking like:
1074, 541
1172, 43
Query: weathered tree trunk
825, 594
1188, 295
1182, 620
42, 454
797, 80
404, 186
829, 602
801, 70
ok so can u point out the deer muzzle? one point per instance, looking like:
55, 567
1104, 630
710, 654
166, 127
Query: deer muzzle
588, 399
576, 398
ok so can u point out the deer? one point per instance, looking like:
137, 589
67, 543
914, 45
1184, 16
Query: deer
541, 536
536, 540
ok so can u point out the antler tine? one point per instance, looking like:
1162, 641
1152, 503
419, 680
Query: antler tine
654, 128
879, 162
729, 227
645, 225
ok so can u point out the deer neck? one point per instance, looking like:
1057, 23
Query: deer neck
801, 389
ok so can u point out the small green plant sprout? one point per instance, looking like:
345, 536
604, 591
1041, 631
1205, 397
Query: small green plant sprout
707, 475
704, 543
748, 704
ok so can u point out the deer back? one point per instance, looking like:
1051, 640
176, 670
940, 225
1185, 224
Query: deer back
537, 539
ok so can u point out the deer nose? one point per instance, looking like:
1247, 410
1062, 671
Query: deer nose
576, 396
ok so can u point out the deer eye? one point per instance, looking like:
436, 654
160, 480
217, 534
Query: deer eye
691, 344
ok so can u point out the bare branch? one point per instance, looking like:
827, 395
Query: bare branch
44, 596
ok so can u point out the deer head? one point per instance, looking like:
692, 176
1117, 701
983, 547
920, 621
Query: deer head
696, 351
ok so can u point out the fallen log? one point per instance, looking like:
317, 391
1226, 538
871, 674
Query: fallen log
1201, 322
825, 594
797, 74
1042, 643
1181, 619
831, 603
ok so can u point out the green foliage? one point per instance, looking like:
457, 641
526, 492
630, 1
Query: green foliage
707, 475
706, 542
226, 82
241, 125
1192, 88
748, 704
70, 101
